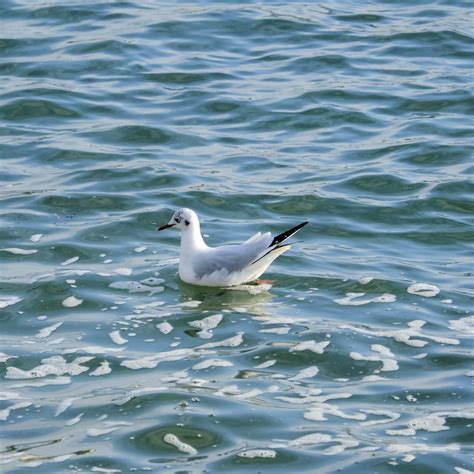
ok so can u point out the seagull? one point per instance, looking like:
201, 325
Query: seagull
226, 265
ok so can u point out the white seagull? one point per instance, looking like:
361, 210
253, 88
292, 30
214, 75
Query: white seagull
227, 265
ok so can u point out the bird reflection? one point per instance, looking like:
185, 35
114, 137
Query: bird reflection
251, 299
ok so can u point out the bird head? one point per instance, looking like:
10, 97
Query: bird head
182, 219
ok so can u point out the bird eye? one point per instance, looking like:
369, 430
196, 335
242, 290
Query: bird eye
187, 222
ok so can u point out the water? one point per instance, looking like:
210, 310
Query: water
355, 117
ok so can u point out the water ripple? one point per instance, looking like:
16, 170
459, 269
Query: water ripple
354, 117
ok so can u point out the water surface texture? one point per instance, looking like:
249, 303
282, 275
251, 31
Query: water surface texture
356, 116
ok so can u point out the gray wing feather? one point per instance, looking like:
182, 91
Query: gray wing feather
231, 258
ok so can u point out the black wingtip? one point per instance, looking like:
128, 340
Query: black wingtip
285, 235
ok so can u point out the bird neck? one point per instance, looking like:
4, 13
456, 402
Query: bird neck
191, 238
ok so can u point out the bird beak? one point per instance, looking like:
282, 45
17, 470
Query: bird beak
166, 226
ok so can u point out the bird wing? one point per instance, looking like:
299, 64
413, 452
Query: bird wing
232, 258
253, 238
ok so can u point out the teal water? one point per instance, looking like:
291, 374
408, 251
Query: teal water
356, 117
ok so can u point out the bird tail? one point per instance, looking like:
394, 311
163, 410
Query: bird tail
276, 245
286, 235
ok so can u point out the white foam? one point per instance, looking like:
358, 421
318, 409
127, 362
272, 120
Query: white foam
150, 362
461, 470
306, 373
93, 350
153, 304
354, 299
387, 364
117, 338
103, 369
78, 272
17, 251
365, 280
10, 396
206, 364
431, 423
385, 298
37, 383
139, 249
147, 362
164, 328
258, 453
421, 355
313, 346
229, 390
46, 332
190, 304
137, 392
233, 341
318, 410
344, 444
385, 351
423, 289
206, 325
332, 396
210, 322
313, 438
418, 447
305, 440
65, 404
105, 470
388, 361
123, 271
277, 330
351, 299
55, 365
464, 325
5, 357
266, 364
304, 399
5, 413
404, 336
71, 302
36, 238
469, 414
109, 427
75, 420
8, 301
390, 416
69, 261
180, 445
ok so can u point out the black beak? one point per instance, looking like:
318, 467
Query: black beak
165, 226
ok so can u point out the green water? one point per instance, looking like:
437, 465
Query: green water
354, 116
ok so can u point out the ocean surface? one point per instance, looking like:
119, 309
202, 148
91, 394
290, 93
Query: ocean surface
355, 116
